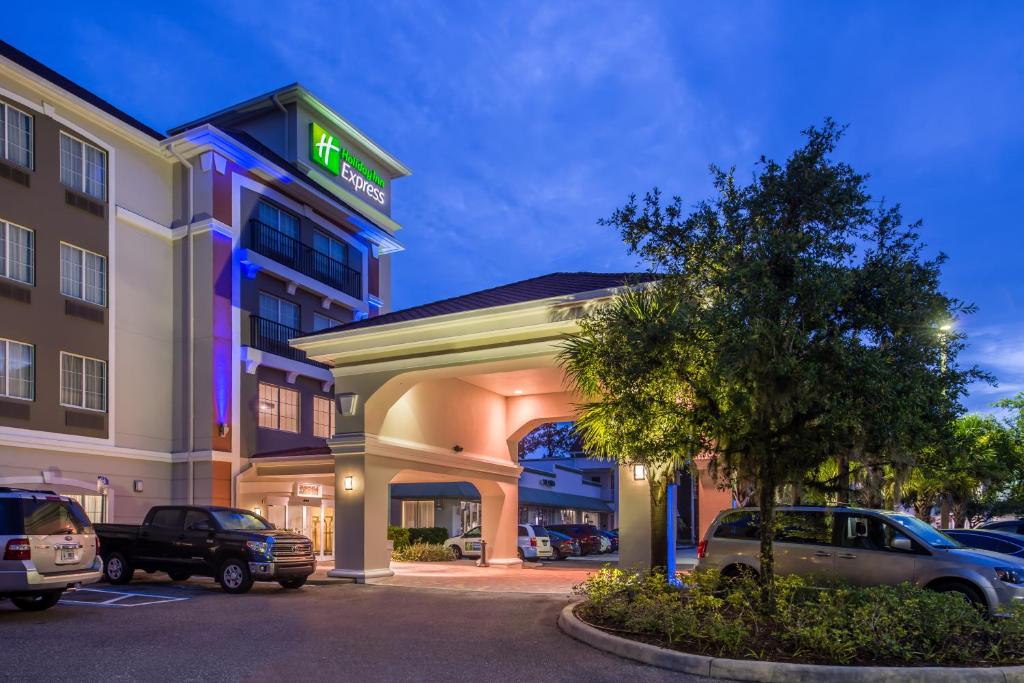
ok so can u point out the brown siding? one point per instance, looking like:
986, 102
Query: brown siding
48, 322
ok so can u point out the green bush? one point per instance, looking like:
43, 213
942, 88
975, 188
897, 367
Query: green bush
399, 536
839, 625
423, 552
430, 534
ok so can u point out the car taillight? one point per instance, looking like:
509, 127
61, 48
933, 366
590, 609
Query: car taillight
18, 549
533, 541
702, 549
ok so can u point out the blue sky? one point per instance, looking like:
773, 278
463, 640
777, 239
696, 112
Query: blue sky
524, 123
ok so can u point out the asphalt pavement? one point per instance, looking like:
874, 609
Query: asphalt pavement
155, 630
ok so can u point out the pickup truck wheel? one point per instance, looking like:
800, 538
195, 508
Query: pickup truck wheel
234, 576
179, 575
37, 602
117, 569
297, 582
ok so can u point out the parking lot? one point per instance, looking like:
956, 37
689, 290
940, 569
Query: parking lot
156, 630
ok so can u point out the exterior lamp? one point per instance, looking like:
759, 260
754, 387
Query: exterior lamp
223, 429
639, 472
346, 404
348, 482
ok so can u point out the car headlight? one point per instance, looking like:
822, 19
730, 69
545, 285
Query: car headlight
1009, 575
258, 548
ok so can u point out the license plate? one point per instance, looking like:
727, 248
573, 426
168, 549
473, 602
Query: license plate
67, 555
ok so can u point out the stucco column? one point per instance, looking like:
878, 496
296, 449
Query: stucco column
710, 498
499, 521
634, 521
361, 518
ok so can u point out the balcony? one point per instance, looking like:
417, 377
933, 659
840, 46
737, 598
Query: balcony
267, 335
304, 259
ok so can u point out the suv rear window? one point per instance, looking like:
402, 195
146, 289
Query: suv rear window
739, 524
539, 530
11, 521
49, 517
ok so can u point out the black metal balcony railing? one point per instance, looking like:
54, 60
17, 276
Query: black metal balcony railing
285, 249
267, 335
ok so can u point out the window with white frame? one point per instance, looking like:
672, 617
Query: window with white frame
279, 311
17, 253
83, 382
278, 408
83, 274
83, 167
279, 220
323, 417
322, 322
15, 135
17, 370
417, 514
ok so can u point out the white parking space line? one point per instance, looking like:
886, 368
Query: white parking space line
118, 596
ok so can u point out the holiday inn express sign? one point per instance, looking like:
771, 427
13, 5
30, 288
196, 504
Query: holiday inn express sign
328, 151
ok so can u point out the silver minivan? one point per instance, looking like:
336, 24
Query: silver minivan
48, 546
863, 548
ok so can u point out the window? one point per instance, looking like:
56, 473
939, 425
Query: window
323, 417
279, 311
279, 408
83, 382
83, 274
17, 253
51, 517
83, 167
15, 135
472, 533
322, 322
810, 528
417, 514
867, 532
742, 525
196, 516
279, 220
92, 504
334, 248
168, 518
17, 370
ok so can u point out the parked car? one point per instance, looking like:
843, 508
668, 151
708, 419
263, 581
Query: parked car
467, 544
613, 540
563, 546
586, 534
49, 546
533, 543
866, 548
236, 547
987, 539
1012, 526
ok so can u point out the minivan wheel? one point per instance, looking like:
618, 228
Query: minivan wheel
970, 593
37, 602
117, 569
234, 576
456, 551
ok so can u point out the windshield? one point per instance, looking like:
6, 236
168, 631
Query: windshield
237, 520
926, 532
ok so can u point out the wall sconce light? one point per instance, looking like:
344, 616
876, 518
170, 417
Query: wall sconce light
137, 486
223, 429
457, 448
347, 403
348, 482
639, 472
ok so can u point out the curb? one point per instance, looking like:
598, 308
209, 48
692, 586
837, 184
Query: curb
775, 672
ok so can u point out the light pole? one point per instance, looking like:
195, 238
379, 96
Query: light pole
944, 502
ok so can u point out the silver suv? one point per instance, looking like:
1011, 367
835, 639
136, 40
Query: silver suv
863, 548
48, 546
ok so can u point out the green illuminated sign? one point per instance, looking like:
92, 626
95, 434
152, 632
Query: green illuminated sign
326, 150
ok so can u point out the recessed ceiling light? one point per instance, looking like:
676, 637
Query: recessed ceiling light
517, 392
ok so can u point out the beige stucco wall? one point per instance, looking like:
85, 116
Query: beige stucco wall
446, 412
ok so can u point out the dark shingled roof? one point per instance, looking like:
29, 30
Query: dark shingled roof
38, 68
542, 287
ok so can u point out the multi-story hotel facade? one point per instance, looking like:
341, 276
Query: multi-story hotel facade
202, 316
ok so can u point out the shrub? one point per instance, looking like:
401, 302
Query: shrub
423, 552
430, 534
839, 625
399, 536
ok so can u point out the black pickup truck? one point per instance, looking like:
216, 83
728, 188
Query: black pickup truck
235, 547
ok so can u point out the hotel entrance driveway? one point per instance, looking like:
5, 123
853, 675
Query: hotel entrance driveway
464, 575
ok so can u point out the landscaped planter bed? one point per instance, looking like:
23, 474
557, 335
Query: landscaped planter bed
892, 630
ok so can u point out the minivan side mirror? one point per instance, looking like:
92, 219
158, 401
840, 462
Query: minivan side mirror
902, 543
